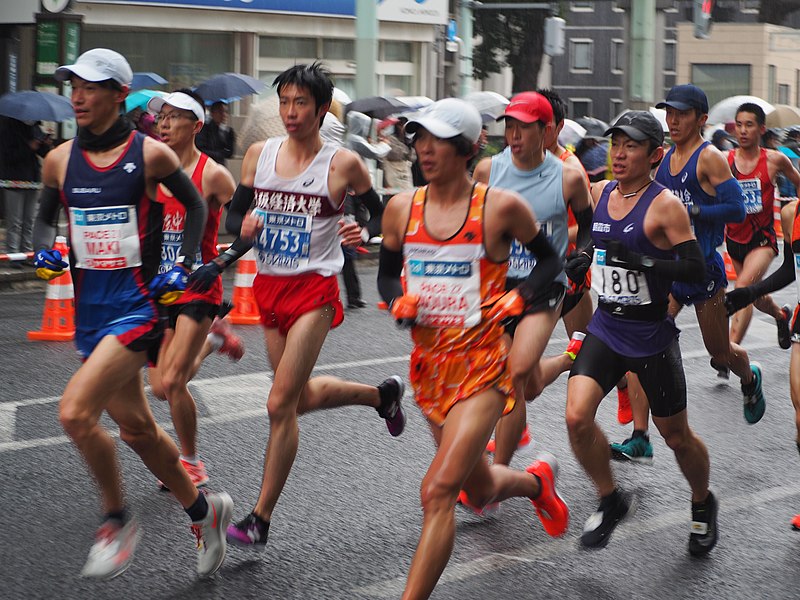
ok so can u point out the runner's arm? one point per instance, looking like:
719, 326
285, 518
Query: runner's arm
730, 197
390, 261
45, 227
187, 194
786, 167
483, 170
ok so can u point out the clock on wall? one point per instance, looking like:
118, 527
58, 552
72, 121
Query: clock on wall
55, 6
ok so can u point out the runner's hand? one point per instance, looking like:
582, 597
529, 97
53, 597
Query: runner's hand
252, 224
504, 306
577, 265
619, 255
49, 264
168, 287
737, 299
404, 310
350, 232
203, 278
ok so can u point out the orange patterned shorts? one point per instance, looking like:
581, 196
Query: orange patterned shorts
440, 379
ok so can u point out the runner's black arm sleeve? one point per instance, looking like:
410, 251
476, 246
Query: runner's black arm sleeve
390, 267
372, 201
237, 209
45, 226
690, 265
548, 265
583, 241
780, 278
187, 194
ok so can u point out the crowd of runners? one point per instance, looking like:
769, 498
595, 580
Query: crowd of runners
479, 265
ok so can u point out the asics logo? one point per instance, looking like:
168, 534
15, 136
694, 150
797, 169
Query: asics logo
308, 182
628, 228
683, 178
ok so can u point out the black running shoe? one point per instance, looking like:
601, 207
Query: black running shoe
613, 509
784, 335
704, 526
391, 392
723, 372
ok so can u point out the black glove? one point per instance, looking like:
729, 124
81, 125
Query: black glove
203, 278
737, 299
619, 255
577, 265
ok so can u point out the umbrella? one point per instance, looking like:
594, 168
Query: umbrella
724, 111
263, 122
377, 107
571, 133
594, 127
140, 98
143, 80
783, 116
658, 113
490, 104
36, 106
341, 97
228, 87
414, 102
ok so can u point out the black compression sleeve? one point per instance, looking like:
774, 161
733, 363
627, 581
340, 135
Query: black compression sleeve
390, 267
237, 209
690, 265
548, 265
372, 201
45, 226
187, 194
583, 241
237, 249
780, 278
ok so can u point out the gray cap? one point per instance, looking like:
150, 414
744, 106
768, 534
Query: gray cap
98, 64
639, 125
448, 118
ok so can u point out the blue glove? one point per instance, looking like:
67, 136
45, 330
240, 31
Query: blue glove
49, 264
168, 287
204, 277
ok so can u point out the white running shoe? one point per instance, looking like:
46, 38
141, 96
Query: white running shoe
113, 550
210, 533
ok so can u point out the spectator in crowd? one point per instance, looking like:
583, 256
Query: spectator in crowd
396, 165
593, 154
216, 138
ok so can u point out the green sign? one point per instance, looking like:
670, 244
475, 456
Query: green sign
72, 42
47, 37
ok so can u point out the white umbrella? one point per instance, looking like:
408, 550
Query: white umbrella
571, 134
489, 104
724, 111
658, 113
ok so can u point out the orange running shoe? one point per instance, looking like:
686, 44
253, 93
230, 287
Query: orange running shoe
232, 344
485, 512
524, 440
197, 473
624, 411
550, 507
796, 523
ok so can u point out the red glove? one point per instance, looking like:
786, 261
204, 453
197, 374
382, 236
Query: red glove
503, 306
404, 310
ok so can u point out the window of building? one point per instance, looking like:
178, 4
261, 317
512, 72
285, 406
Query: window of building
616, 108
670, 56
615, 7
580, 107
617, 56
784, 91
338, 49
750, 6
398, 85
397, 51
673, 8
581, 55
287, 47
577, 6
721, 81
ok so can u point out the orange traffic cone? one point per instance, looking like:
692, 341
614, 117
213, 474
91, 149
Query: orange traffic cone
58, 321
730, 272
777, 218
245, 310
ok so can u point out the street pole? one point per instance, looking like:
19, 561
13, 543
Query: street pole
465, 26
366, 47
642, 57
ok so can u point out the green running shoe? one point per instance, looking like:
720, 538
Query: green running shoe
636, 448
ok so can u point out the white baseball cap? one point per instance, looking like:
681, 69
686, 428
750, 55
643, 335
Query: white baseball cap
448, 118
178, 100
98, 64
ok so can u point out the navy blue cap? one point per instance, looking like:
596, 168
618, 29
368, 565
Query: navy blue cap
685, 97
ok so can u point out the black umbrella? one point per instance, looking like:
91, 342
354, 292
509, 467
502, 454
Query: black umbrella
146, 79
377, 107
36, 106
228, 87
594, 127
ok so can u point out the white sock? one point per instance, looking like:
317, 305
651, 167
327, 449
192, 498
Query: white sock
215, 340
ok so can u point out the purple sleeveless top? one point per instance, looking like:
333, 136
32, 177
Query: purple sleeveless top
634, 338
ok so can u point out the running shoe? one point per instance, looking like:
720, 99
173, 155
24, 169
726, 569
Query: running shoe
197, 473
225, 307
636, 448
251, 532
614, 508
113, 549
487, 511
796, 522
723, 372
704, 526
575, 343
624, 411
550, 507
754, 402
391, 393
210, 533
232, 344
784, 335
524, 440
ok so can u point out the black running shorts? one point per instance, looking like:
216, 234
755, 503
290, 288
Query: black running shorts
197, 311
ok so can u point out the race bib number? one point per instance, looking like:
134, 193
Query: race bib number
285, 240
171, 248
520, 260
618, 285
752, 195
448, 290
105, 238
